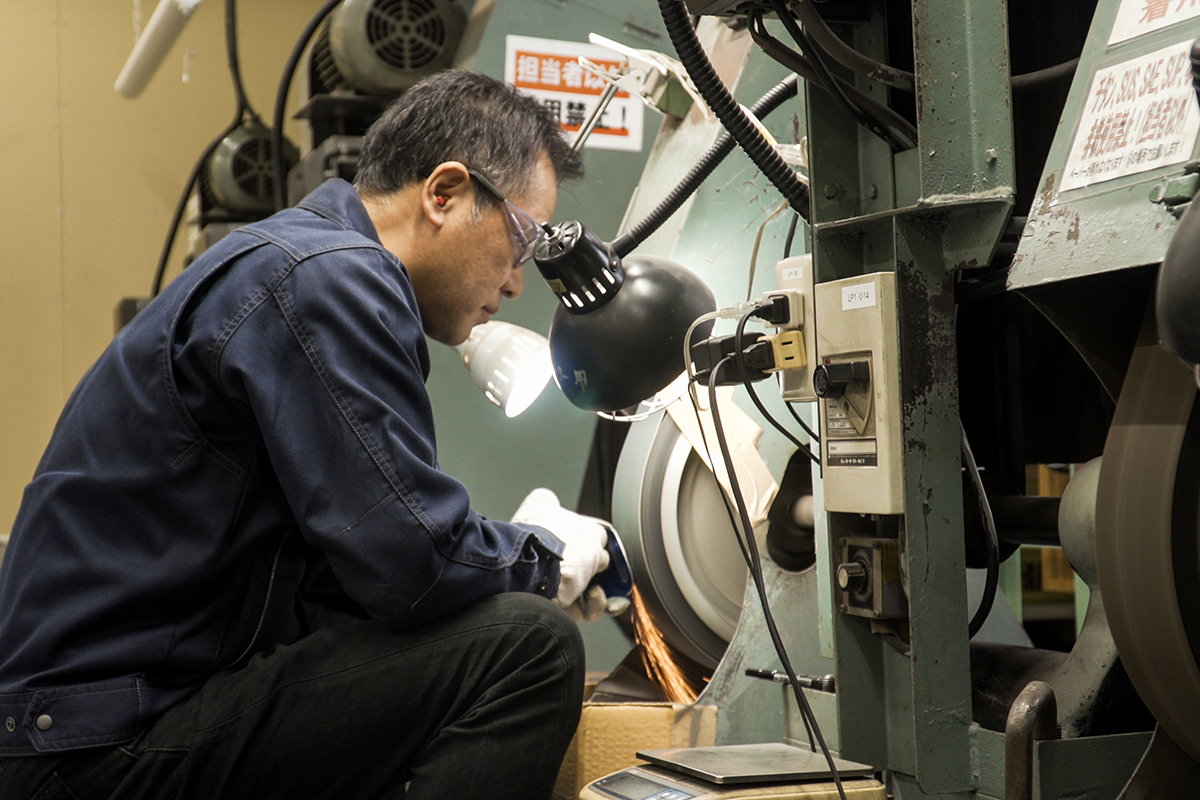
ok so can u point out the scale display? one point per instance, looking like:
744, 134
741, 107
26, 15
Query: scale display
629, 785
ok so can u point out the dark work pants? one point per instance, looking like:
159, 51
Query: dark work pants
482, 704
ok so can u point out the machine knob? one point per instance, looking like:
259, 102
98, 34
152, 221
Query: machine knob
853, 577
829, 380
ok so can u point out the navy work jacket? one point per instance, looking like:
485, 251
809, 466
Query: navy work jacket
261, 429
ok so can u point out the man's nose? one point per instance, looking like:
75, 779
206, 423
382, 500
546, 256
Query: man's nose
515, 284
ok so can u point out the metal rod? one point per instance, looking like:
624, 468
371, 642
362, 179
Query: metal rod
1032, 717
610, 91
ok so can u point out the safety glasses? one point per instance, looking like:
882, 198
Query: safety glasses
523, 229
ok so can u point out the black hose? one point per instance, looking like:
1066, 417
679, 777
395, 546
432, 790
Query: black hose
764, 156
846, 55
1032, 81
161, 270
627, 242
802, 67
993, 540
864, 118
285, 83
235, 69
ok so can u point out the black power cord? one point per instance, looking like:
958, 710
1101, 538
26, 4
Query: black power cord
235, 68
831, 85
244, 110
811, 433
789, 58
738, 362
806, 712
993, 539
285, 84
160, 270
791, 234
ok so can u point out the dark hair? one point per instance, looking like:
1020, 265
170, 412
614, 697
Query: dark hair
456, 115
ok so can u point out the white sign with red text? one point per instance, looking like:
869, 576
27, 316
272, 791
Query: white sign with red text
1139, 114
1139, 17
549, 69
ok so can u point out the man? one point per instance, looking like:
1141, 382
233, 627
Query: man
261, 434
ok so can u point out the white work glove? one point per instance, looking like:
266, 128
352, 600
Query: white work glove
584, 539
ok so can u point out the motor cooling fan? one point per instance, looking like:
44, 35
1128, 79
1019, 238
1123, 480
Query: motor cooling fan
385, 46
240, 173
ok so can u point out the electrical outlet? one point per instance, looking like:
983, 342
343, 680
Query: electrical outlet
795, 385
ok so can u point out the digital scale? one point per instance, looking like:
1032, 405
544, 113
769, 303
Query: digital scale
742, 772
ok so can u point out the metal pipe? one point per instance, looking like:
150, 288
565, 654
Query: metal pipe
610, 91
1032, 717
152, 46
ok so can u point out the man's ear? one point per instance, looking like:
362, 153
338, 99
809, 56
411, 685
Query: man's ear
448, 189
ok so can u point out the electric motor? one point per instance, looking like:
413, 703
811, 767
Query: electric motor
385, 46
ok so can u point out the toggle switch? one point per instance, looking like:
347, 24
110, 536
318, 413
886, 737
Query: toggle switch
830, 380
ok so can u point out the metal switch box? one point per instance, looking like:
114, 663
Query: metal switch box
857, 376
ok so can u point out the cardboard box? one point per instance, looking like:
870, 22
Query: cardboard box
610, 734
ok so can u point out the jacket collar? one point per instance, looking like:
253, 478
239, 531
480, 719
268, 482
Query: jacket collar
338, 201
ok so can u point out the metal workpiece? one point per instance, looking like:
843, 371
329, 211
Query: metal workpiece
1031, 718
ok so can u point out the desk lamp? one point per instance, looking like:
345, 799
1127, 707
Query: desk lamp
617, 335
509, 364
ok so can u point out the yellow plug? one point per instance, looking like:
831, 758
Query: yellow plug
788, 349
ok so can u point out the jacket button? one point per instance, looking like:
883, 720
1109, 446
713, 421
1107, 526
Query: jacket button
542, 584
44, 722
10, 724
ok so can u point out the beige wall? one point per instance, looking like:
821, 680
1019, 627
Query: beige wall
90, 180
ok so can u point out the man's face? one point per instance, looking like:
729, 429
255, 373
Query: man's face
476, 270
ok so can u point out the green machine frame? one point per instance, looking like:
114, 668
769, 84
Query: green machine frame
925, 214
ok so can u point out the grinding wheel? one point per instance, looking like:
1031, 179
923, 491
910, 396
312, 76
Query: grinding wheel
680, 542
1147, 535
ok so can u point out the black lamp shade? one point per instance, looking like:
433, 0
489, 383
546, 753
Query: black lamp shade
629, 348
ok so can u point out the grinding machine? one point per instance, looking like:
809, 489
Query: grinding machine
986, 212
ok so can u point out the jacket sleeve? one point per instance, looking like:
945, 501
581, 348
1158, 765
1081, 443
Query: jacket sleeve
330, 368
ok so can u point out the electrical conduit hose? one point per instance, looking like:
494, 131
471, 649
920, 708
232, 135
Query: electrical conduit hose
625, 244
764, 156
